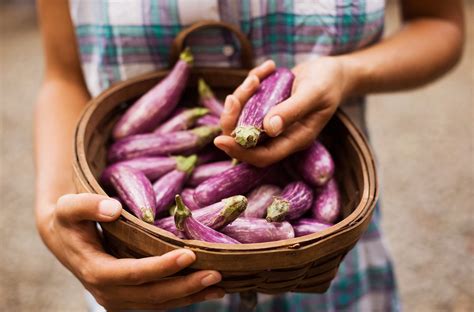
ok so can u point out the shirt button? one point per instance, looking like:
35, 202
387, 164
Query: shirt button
228, 50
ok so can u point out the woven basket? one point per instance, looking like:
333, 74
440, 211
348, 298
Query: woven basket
304, 264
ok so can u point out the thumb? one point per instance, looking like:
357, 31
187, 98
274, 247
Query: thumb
73, 208
283, 115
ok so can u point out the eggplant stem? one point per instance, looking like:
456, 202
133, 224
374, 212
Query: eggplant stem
233, 205
204, 89
148, 215
247, 136
186, 164
278, 210
187, 56
181, 213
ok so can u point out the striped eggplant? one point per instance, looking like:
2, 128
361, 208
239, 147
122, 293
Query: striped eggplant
214, 216
327, 204
203, 172
146, 145
315, 164
155, 105
208, 120
133, 188
272, 90
237, 180
194, 229
172, 183
295, 199
308, 226
188, 198
151, 167
208, 100
255, 230
182, 121
259, 200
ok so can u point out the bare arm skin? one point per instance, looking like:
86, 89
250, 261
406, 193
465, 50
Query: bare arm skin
66, 223
427, 46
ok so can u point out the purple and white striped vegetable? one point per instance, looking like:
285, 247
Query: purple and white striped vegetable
188, 198
194, 229
203, 172
214, 216
272, 90
208, 100
327, 203
259, 200
315, 164
237, 180
182, 121
172, 183
255, 230
145, 145
295, 199
155, 105
151, 167
133, 188
309, 226
208, 120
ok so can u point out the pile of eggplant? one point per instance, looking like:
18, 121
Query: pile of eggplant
164, 169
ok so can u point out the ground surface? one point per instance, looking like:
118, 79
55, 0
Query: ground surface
424, 143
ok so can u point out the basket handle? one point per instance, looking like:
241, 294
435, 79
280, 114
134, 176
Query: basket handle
246, 52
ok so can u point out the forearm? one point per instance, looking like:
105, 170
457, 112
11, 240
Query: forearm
420, 52
58, 108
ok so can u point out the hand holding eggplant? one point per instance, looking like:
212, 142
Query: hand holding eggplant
319, 86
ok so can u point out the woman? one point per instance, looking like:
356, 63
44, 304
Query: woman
334, 49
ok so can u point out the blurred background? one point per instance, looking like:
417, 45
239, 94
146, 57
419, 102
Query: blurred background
424, 144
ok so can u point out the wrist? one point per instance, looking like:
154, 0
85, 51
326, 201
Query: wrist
355, 76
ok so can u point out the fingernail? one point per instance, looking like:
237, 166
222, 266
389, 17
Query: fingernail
185, 259
213, 296
109, 207
247, 84
228, 104
276, 123
210, 279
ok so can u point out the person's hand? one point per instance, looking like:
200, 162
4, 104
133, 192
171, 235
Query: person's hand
293, 124
72, 236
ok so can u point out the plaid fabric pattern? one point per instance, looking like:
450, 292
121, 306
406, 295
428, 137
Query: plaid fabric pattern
119, 39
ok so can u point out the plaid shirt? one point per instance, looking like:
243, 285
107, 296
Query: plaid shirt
119, 39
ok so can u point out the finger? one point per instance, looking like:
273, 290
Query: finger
207, 294
283, 115
172, 288
112, 271
264, 69
230, 115
72, 208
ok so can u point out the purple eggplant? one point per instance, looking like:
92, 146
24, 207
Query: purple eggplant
259, 200
273, 90
133, 188
295, 199
208, 100
214, 216
188, 198
206, 171
182, 121
315, 164
172, 183
146, 145
209, 154
309, 226
237, 180
327, 203
157, 104
151, 167
194, 229
255, 230
208, 120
